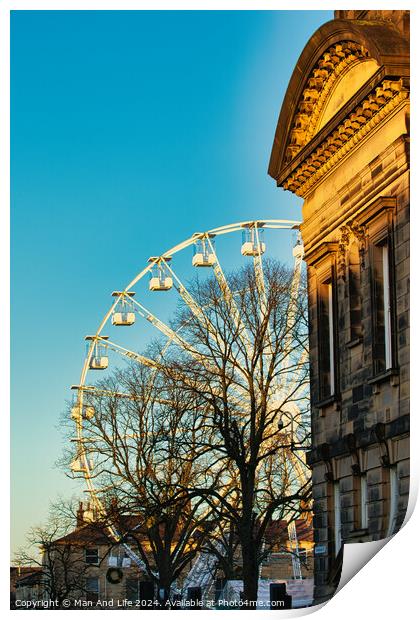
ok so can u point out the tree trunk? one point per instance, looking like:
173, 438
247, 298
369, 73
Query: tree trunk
165, 580
250, 572
248, 544
164, 590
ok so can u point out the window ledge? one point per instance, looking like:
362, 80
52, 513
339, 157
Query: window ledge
384, 376
354, 342
326, 402
359, 535
358, 532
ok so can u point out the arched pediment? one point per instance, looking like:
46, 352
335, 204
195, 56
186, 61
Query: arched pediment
338, 90
340, 59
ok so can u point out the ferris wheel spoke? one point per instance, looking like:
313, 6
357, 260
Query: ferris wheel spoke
259, 272
201, 316
194, 307
300, 468
294, 292
113, 532
106, 489
230, 300
288, 364
295, 384
291, 378
172, 335
95, 391
137, 357
260, 282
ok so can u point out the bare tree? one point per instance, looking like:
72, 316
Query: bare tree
214, 430
62, 564
245, 365
140, 439
222, 542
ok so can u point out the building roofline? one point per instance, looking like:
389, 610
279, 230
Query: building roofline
382, 41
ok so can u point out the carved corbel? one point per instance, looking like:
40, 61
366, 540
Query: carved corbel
326, 457
350, 441
379, 434
342, 249
359, 231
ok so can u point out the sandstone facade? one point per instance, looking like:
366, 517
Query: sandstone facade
342, 144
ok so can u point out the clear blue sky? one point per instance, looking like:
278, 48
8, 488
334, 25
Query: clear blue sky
130, 131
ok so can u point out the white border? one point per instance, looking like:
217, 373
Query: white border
386, 586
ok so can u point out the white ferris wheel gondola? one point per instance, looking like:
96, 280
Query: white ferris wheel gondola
98, 354
123, 313
252, 240
204, 255
160, 280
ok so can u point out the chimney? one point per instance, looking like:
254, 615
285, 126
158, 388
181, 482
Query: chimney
85, 514
79, 516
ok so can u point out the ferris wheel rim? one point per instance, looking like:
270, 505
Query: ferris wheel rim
229, 228
273, 224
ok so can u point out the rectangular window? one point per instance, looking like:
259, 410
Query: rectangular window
382, 321
91, 556
92, 588
354, 292
393, 500
387, 307
326, 340
331, 336
363, 502
337, 518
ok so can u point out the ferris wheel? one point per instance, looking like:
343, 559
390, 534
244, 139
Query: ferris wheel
160, 276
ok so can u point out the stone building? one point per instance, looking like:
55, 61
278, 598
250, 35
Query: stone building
105, 571
25, 584
342, 144
29, 588
88, 569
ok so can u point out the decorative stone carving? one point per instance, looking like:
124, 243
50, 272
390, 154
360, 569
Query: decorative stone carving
377, 105
343, 242
329, 67
347, 232
359, 232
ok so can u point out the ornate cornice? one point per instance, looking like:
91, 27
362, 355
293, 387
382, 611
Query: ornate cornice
332, 64
366, 116
325, 68
321, 252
